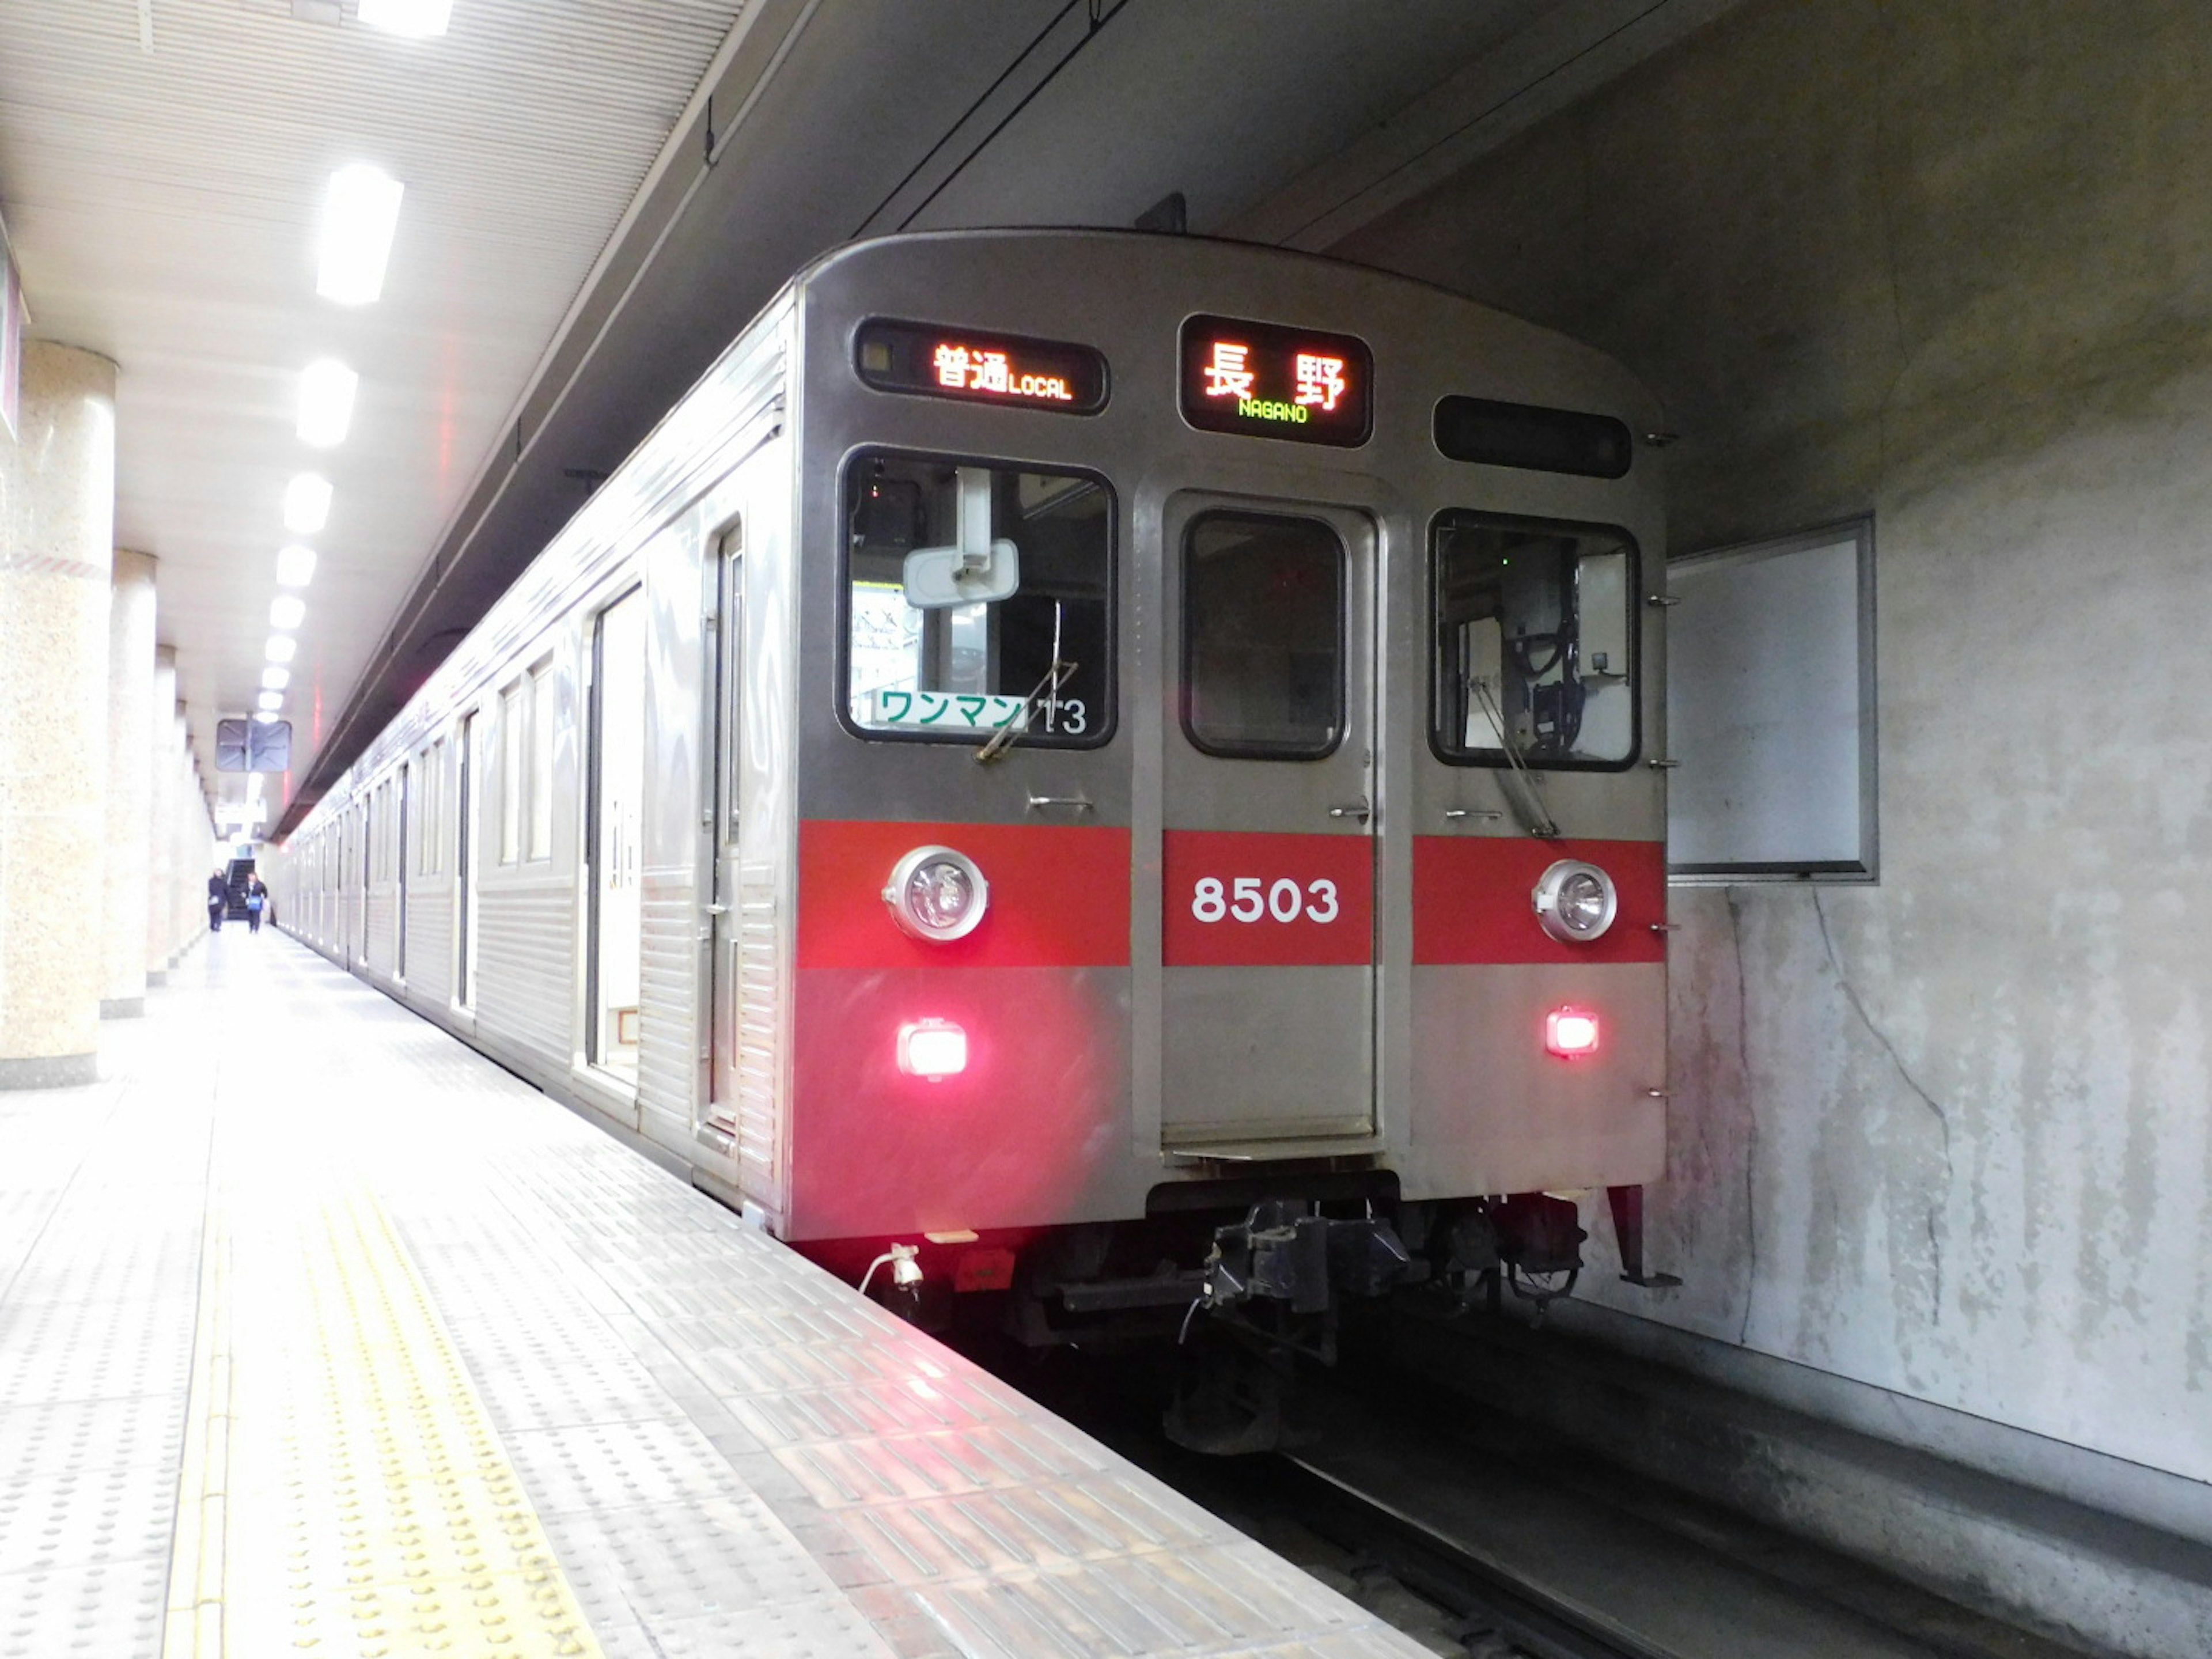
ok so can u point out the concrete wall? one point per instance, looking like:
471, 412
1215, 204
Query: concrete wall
1951, 265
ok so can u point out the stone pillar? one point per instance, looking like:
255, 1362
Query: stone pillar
130, 785
161, 875
56, 539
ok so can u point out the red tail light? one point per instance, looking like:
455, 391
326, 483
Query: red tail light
1570, 1033
933, 1049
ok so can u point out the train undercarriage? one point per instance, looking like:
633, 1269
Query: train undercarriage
1250, 1299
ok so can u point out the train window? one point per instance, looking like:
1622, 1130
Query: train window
978, 597
1534, 642
1263, 637
542, 689
513, 735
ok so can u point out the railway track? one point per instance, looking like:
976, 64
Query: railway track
1440, 1590
1482, 1538
1383, 1557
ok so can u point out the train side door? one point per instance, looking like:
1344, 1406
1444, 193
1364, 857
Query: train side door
1267, 934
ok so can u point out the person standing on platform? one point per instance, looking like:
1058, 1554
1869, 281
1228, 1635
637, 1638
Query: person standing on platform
257, 898
218, 901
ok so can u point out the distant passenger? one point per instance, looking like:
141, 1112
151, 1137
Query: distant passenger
256, 895
218, 901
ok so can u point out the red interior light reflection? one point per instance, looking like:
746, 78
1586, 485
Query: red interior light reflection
1570, 1033
933, 1049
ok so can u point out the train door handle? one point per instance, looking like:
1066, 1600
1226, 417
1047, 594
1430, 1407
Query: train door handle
718, 909
1358, 809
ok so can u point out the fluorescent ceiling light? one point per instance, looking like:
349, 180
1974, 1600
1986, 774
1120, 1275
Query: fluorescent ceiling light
282, 647
418, 19
296, 566
271, 702
285, 612
326, 389
359, 215
264, 717
307, 504
275, 679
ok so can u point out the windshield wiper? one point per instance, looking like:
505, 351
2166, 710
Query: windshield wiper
1048, 688
1519, 787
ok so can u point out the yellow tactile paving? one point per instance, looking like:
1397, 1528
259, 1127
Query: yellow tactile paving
342, 1491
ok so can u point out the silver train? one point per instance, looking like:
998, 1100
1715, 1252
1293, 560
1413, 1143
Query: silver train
1106, 767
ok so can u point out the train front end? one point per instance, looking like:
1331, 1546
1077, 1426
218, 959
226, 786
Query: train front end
1226, 818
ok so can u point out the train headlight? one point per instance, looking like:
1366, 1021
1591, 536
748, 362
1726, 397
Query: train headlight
1575, 902
938, 894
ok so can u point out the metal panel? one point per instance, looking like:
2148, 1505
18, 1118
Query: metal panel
668, 1045
430, 938
1494, 1113
1771, 697
524, 960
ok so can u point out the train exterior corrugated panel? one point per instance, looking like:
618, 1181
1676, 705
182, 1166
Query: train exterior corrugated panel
1279, 692
670, 1061
429, 940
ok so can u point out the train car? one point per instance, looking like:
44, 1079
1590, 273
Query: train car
1121, 768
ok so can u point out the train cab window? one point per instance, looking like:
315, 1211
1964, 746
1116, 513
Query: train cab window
1263, 637
978, 597
1533, 629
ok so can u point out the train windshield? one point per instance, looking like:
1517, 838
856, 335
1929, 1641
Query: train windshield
1534, 636
977, 600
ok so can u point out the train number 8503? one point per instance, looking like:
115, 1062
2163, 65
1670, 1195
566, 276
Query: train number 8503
1249, 898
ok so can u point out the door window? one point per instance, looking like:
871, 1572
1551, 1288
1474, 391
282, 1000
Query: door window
1263, 637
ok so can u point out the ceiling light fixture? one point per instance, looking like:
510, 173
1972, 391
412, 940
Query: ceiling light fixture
326, 389
418, 19
307, 504
285, 612
282, 647
296, 566
359, 216
276, 679
271, 702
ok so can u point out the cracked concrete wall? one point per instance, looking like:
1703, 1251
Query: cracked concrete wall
1951, 265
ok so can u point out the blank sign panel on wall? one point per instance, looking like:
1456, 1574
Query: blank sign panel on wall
1771, 710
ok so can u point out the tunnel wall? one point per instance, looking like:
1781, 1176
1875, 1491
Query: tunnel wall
1950, 266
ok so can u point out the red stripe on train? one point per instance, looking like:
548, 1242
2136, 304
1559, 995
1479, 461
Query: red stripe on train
1060, 896
1472, 900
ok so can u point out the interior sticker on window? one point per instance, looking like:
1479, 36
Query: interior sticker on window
946, 711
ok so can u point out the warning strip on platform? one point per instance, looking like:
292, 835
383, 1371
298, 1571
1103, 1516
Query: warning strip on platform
342, 1491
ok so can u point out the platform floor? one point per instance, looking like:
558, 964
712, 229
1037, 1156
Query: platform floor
321, 1334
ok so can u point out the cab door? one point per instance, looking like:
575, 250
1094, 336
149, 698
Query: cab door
1267, 857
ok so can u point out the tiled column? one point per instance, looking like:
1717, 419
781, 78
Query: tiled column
57, 538
130, 785
190, 895
162, 875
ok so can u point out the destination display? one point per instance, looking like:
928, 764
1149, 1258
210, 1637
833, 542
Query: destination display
1266, 380
927, 361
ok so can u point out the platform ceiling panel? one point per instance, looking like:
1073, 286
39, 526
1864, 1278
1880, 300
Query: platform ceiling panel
163, 172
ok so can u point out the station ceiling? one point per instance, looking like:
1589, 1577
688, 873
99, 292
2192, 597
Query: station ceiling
597, 194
